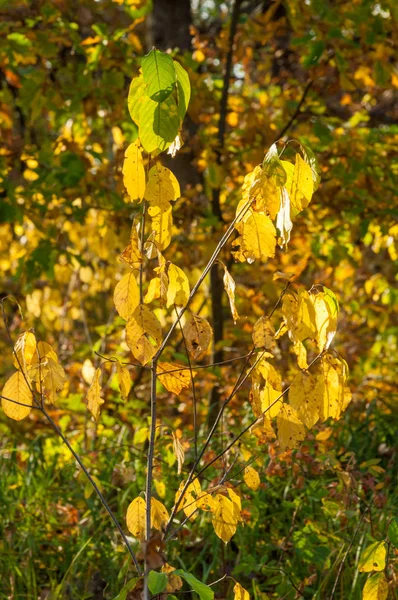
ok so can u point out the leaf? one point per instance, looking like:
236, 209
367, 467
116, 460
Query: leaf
237, 504
153, 290
302, 186
178, 452
283, 220
134, 172
135, 518
178, 289
162, 186
273, 167
88, 371
94, 399
157, 582
54, 379
393, 532
159, 74
132, 254
159, 514
373, 558
188, 501
240, 593
291, 430
299, 316
257, 238
325, 319
143, 334
126, 296
336, 394
251, 478
264, 334
124, 380
310, 159
175, 377
229, 286
305, 396
198, 335
224, 519
128, 587
24, 351
159, 124
17, 389
204, 591
136, 98
376, 588
162, 223
183, 89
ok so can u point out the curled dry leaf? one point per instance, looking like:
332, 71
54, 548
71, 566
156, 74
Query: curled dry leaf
229, 286
178, 451
132, 254
198, 335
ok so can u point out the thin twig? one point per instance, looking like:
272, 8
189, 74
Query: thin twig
296, 112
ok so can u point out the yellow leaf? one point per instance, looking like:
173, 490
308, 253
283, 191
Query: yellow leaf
237, 503
262, 193
162, 223
264, 334
269, 395
94, 399
143, 334
224, 519
373, 558
88, 371
135, 518
206, 502
174, 582
159, 514
153, 290
376, 588
134, 172
17, 389
240, 593
229, 286
178, 288
160, 488
24, 351
324, 435
291, 430
174, 377
188, 501
325, 321
302, 185
198, 335
336, 394
54, 380
305, 396
132, 254
124, 379
126, 296
301, 352
299, 315
251, 478
178, 451
263, 430
257, 238
162, 185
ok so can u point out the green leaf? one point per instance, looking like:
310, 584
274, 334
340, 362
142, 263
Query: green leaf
136, 98
183, 89
130, 585
332, 301
204, 591
159, 75
156, 582
393, 532
159, 125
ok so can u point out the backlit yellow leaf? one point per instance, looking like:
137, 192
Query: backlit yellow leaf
376, 588
229, 286
132, 254
178, 288
301, 185
264, 334
251, 478
299, 315
143, 334
188, 501
373, 558
336, 395
124, 380
174, 377
257, 238
134, 172
159, 514
162, 185
135, 518
237, 503
240, 593
206, 502
198, 335
162, 222
224, 519
325, 320
160, 487
54, 379
18, 390
153, 290
24, 351
94, 399
305, 396
126, 296
291, 430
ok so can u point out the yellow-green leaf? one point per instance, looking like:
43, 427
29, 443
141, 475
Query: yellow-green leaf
291, 430
126, 296
178, 289
135, 518
373, 558
134, 172
240, 593
376, 588
252, 478
143, 334
17, 389
124, 380
94, 399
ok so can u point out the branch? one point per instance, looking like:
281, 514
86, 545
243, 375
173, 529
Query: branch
296, 112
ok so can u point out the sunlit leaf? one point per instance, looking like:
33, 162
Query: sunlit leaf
229, 286
257, 239
124, 380
174, 377
240, 593
143, 334
178, 289
291, 430
188, 500
126, 296
376, 588
159, 74
306, 395
198, 335
132, 254
224, 519
18, 390
252, 478
24, 351
264, 334
94, 399
373, 558
159, 514
134, 172
135, 518
162, 185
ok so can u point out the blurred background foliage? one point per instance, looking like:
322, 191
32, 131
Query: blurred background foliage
325, 73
